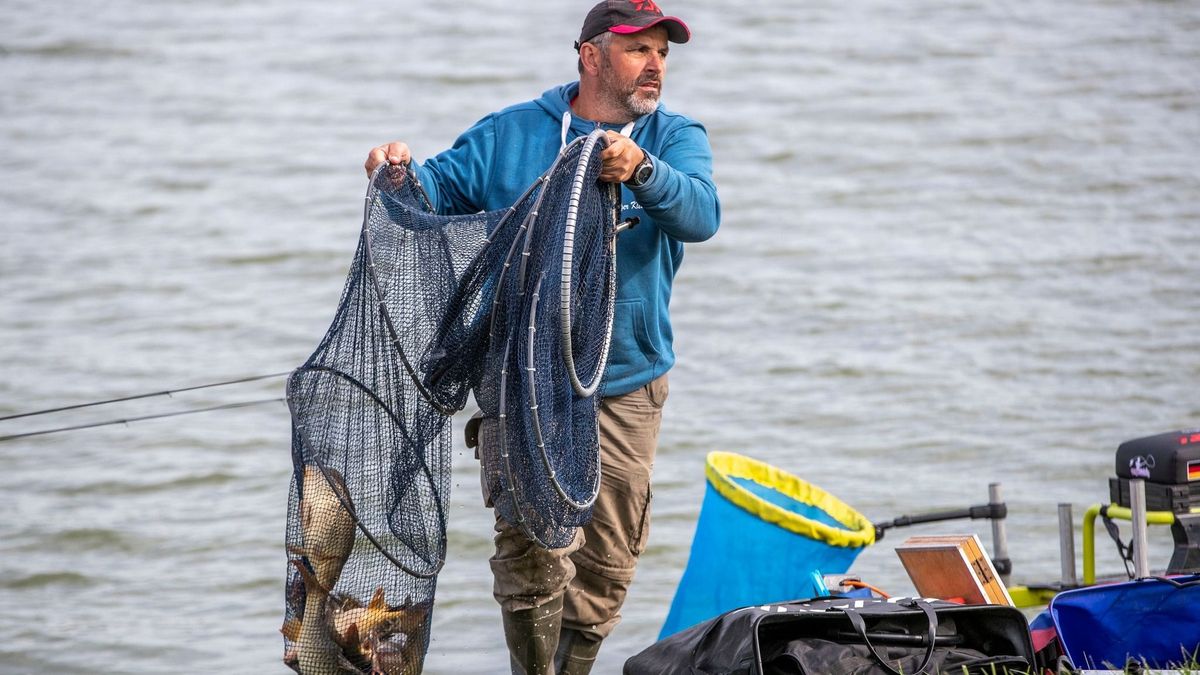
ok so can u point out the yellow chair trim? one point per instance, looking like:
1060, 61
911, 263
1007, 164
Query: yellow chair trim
722, 467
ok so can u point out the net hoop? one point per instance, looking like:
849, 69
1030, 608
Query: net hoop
599, 136
594, 491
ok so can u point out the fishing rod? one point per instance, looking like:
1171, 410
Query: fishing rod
990, 511
995, 511
167, 392
127, 420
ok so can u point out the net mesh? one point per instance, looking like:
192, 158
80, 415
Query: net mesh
514, 305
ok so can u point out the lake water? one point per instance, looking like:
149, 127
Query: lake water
961, 245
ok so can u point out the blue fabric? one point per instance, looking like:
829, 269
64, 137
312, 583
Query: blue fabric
738, 560
493, 162
1150, 620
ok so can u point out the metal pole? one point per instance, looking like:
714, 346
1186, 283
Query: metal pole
1066, 545
999, 533
1137, 503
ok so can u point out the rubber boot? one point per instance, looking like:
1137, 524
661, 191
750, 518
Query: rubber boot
576, 653
532, 637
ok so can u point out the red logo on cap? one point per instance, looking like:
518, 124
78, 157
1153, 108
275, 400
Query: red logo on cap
646, 6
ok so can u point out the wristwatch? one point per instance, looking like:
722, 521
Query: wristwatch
643, 172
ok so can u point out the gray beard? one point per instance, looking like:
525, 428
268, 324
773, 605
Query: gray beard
640, 106
631, 103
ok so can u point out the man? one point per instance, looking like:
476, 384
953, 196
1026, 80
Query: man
558, 605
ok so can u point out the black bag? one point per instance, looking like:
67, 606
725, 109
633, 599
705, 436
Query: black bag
847, 636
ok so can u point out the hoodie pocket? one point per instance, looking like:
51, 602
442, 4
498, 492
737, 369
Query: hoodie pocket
631, 344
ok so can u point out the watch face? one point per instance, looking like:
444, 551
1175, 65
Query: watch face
642, 174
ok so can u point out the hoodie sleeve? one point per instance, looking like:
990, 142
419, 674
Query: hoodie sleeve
681, 195
457, 179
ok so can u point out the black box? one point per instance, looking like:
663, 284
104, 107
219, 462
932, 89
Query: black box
1168, 459
1174, 498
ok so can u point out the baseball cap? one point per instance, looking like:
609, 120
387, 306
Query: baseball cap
630, 16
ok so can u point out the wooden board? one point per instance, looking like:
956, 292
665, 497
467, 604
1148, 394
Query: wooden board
953, 566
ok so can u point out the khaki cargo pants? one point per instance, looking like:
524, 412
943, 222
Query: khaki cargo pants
596, 569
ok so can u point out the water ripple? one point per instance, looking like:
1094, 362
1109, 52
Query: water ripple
42, 580
127, 487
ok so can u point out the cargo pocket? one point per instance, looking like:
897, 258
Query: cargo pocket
637, 543
617, 533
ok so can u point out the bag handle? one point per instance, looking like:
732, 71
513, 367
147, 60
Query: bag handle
860, 628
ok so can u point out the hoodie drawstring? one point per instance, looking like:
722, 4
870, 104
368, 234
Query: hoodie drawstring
566, 125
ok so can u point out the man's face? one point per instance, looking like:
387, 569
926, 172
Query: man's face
632, 70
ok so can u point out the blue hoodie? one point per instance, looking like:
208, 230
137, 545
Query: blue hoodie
492, 163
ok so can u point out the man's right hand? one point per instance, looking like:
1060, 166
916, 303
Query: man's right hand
393, 153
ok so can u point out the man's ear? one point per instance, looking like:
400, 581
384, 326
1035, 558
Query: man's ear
589, 56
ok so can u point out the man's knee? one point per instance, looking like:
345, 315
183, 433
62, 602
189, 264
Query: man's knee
527, 575
593, 600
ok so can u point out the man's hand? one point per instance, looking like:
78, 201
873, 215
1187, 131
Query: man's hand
621, 157
394, 153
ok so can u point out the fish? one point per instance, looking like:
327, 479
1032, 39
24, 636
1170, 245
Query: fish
327, 524
414, 651
291, 631
294, 595
367, 620
316, 651
336, 633
379, 635
396, 644
388, 654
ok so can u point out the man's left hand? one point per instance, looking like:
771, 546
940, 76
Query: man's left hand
620, 158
